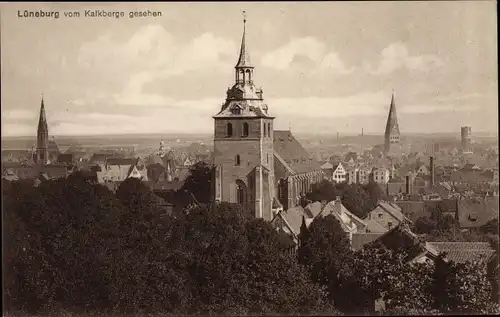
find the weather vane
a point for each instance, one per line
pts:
(244, 16)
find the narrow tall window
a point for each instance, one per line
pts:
(264, 129)
(245, 129)
(229, 129)
(269, 129)
(237, 160)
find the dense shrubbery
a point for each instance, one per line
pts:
(359, 199)
(355, 280)
(72, 245)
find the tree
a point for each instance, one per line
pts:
(425, 225)
(381, 273)
(304, 251)
(325, 253)
(199, 182)
(233, 262)
(461, 288)
(55, 230)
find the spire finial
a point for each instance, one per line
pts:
(244, 17)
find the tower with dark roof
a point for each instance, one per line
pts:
(243, 143)
(42, 140)
(391, 138)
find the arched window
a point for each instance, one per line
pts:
(245, 129)
(248, 76)
(229, 129)
(237, 160)
(241, 192)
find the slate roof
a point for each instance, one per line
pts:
(461, 252)
(292, 152)
(65, 158)
(393, 209)
(374, 227)
(313, 209)
(394, 188)
(100, 158)
(477, 212)
(344, 216)
(359, 240)
(293, 217)
(401, 238)
(121, 161)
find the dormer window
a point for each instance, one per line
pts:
(236, 109)
(245, 129)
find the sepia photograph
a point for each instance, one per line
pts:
(285, 158)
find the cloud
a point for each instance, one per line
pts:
(397, 56)
(307, 114)
(151, 54)
(426, 108)
(309, 47)
(18, 115)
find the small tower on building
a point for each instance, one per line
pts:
(42, 141)
(392, 147)
(243, 143)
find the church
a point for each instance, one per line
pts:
(392, 146)
(260, 168)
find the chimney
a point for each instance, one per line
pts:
(431, 162)
(338, 204)
(408, 184)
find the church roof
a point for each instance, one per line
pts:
(292, 152)
(392, 126)
(42, 121)
(244, 59)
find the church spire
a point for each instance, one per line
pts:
(42, 122)
(392, 126)
(244, 59)
(42, 144)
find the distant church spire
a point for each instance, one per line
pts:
(42, 121)
(42, 144)
(392, 127)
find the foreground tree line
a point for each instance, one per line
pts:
(71, 245)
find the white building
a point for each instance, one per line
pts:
(358, 175)
(380, 175)
(339, 173)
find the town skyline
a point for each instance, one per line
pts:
(148, 76)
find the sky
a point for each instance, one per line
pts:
(324, 67)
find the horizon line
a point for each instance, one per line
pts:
(342, 134)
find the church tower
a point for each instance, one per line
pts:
(42, 141)
(243, 143)
(391, 144)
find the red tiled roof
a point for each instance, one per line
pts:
(461, 252)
